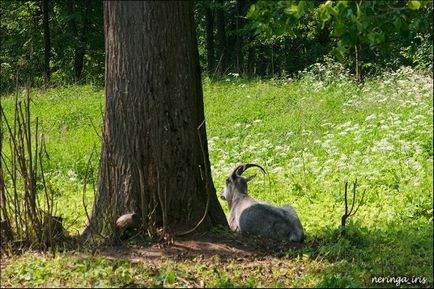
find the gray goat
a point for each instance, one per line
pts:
(258, 218)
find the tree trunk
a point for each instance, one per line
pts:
(241, 4)
(81, 49)
(209, 20)
(358, 62)
(221, 38)
(47, 44)
(80, 39)
(251, 61)
(154, 158)
(261, 61)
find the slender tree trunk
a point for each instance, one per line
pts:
(80, 39)
(47, 44)
(221, 38)
(209, 20)
(251, 52)
(81, 49)
(251, 61)
(358, 61)
(261, 62)
(241, 4)
(154, 158)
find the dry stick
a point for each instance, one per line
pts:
(344, 217)
(142, 193)
(23, 167)
(91, 225)
(351, 213)
(46, 194)
(142, 187)
(162, 204)
(83, 197)
(30, 169)
(44, 184)
(206, 186)
(361, 202)
(216, 68)
(13, 172)
(13, 146)
(354, 197)
(34, 176)
(3, 191)
(32, 172)
(6, 206)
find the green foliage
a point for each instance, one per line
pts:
(73, 25)
(310, 133)
(39, 270)
(276, 37)
(382, 30)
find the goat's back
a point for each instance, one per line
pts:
(268, 221)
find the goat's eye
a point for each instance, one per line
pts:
(228, 181)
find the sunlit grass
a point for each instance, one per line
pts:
(310, 134)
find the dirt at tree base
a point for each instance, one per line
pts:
(200, 245)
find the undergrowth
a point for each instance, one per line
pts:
(310, 133)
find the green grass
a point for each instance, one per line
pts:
(310, 134)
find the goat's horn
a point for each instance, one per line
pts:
(239, 170)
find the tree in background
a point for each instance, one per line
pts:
(221, 39)
(80, 36)
(209, 28)
(154, 159)
(257, 38)
(47, 43)
(52, 43)
(363, 32)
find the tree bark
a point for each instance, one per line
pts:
(209, 21)
(154, 158)
(221, 38)
(47, 44)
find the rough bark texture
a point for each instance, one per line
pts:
(152, 160)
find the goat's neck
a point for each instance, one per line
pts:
(237, 198)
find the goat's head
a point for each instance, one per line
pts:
(235, 183)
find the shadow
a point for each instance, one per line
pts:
(353, 259)
(363, 257)
(219, 242)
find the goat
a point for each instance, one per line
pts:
(258, 218)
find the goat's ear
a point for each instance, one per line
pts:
(250, 178)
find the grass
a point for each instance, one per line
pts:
(310, 134)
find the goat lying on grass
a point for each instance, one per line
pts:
(258, 218)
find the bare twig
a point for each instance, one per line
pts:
(205, 179)
(351, 212)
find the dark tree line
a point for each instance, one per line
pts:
(233, 45)
(61, 42)
(45, 41)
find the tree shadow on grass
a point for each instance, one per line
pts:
(349, 260)
(374, 257)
